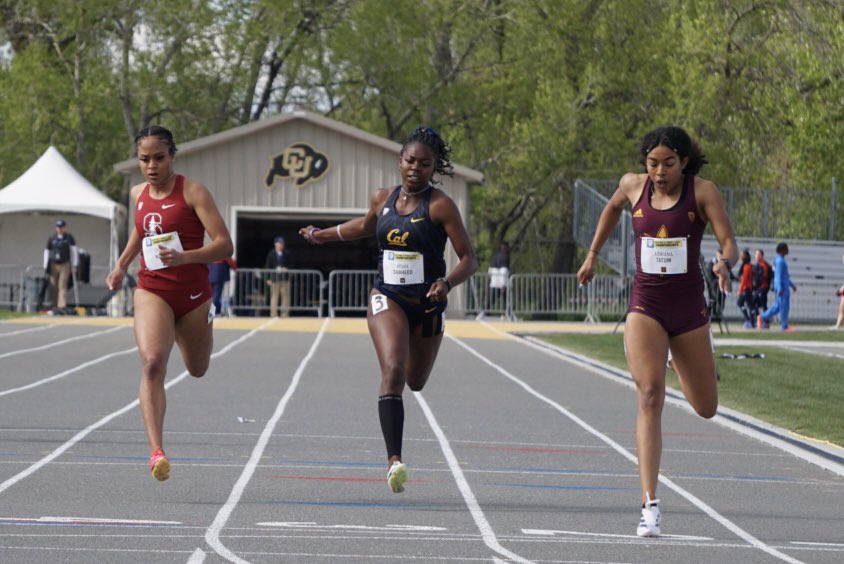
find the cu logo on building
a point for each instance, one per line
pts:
(298, 161)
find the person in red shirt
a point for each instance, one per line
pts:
(173, 299)
(746, 302)
(762, 277)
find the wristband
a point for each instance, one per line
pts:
(311, 232)
(340, 235)
(727, 262)
(445, 281)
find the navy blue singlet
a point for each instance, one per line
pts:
(414, 232)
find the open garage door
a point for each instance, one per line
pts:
(255, 232)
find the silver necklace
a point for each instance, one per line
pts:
(408, 194)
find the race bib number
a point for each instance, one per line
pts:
(402, 268)
(378, 302)
(151, 247)
(664, 255)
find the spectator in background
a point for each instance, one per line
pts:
(745, 301)
(715, 298)
(499, 281)
(218, 274)
(60, 256)
(782, 290)
(763, 275)
(280, 261)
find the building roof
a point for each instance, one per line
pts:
(229, 135)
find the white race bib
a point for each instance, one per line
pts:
(664, 255)
(403, 268)
(151, 244)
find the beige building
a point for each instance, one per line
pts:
(273, 176)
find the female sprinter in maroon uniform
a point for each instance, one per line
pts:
(411, 223)
(173, 298)
(671, 207)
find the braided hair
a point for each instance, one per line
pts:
(431, 139)
(676, 139)
(163, 134)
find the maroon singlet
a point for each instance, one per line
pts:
(675, 300)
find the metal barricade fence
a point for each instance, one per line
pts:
(248, 292)
(618, 251)
(348, 290)
(11, 288)
(481, 300)
(560, 297)
(34, 293)
(813, 302)
(754, 212)
(529, 296)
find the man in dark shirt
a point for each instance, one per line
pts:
(279, 260)
(60, 256)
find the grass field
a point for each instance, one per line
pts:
(8, 314)
(797, 391)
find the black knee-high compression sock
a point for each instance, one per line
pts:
(391, 414)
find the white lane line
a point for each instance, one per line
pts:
(198, 557)
(272, 556)
(312, 525)
(346, 438)
(503, 472)
(212, 534)
(551, 533)
(807, 350)
(90, 521)
(725, 417)
(62, 342)
(66, 372)
(463, 485)
(94, 426)
(729, 525)
(806, 543)
(30, 330)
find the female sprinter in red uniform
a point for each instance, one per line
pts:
(173, 299)
(671, 207)
(406, 315)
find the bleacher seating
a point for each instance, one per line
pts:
(807, 260)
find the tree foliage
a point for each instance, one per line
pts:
(534, 93)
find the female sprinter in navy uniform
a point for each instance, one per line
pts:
(671, 207)
(173, 298)
(407, 305)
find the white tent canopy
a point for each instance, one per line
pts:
(52, 186)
